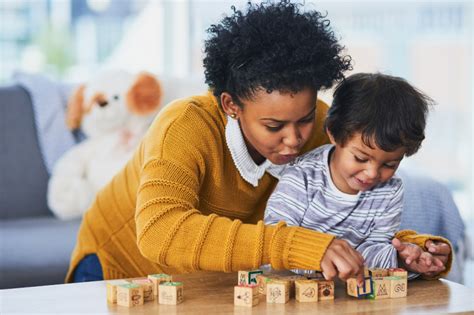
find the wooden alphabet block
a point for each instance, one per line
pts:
(351, 287)
(112, 289)
(129, 294)
(246, 295)
(354, 290)
(278, 291)
(378, 273)
(262, 281)
(366, 288)
(171, 293)
(157, 279)
(306, 290)
(291, 279)
(147, 285)
(382, 288)
(248, 277)
(397, 272)
(325, 290)
(398, 286)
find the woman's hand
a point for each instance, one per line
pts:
(413, 258)
(342, 261)
(439, 250)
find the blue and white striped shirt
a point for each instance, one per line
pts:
(306, 196)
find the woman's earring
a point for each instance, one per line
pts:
(233, 116)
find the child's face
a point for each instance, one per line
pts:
(356, 167)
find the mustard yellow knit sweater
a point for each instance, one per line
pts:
(180, 205)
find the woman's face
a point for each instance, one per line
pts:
(275, 125)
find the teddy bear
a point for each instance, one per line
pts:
(113, 110)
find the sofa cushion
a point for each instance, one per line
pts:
(23, 176)
(35, 251)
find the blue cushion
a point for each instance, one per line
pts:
(23, 176)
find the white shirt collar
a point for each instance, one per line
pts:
(248, 169)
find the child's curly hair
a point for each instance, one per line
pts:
(272, 46)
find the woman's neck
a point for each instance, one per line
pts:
(254, 154)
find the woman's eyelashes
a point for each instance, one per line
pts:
(279, 127)
(274, 128)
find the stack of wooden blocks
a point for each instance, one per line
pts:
(279, 288)
(380, 284)
(134, 292)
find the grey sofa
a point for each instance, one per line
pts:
(35, 247)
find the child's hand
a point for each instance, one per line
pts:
(413, 258)
(342, 261)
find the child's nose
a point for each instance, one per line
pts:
(372, 172)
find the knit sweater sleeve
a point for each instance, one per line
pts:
(172, 231)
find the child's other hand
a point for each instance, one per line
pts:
(413, 258)
(342, 261)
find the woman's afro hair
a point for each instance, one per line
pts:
(272, 46)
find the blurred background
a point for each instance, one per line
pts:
(427, 42)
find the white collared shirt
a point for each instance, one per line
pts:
(248, 169)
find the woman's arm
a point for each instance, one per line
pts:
(172, 232)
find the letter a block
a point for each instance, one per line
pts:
(246, 295)
(306, 290)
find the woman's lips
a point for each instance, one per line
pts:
(286, 158)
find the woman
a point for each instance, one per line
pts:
(193, 196)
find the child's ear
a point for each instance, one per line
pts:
(145, 95)
(331, 138)
(75, 108)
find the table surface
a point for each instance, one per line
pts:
(213, 293)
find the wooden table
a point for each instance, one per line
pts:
(212, 293)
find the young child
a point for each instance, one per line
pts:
(348, 188)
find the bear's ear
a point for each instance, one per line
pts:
(75, 108)
(145, 94)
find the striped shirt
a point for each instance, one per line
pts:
(306, 196)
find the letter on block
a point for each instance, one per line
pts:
(147, 285)
(157, 279)
(325, 290)
(129, 294)
(278, 291)
(112, 289)
(248, 277)
(365, 290)
(306, 290)
(382, 288)
(170, 293)
(246, 295)
(398, 286)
